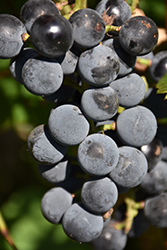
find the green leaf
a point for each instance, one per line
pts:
(162, 85)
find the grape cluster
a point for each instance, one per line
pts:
(84, 65)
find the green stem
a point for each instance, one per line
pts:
(79, 4)
(162, 120)
(131, 212)
(112, 28)
(25, 37)
(144, 61)
(133, 5)
(5, 233)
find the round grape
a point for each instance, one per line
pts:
(68, 125)
(98, 154)
(51, 35)
(139, 35)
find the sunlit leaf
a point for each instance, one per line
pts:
(162, 85)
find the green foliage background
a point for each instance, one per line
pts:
(21, 187)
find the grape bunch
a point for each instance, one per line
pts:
(103, 137)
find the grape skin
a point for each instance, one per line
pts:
(43, 148)
(69, 63)
(114, 12)
(81, 225)
(55, 203)
(140, 225)
(153, 152)
(99, 195)
(98, 154)
(136, 126)
(155, 210)
(155, 181)
(110, 238)
(98, 66)
(138, 35)
(52, 35)
(99, 104)
(130, 90)
(55, 173)
(88, 27)
(11, 31)
(127, 61)
(67, 125)
(162, 55)
(131, 168)
(32, 9)
(17, 62)
(42, 76)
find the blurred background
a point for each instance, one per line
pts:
(21, 187)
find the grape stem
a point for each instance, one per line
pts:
(61, 5)
(108, 214)
(112, 28)
(79, 4)
(144, 61)
(133, 5)
(25, 37)
(111, 126)
(132, 208)
(5, 233)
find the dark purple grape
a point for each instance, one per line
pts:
(88, 26)
(99, 66)
(155, 181)
(99, 195)
(98, 154)
(162, 135)
(55, 203)
(138, 35)
(11, 32)
(67, 125)
(43, 148)
(139, 226)
(42, 76)
(153, 152)
(161, 68)
(131, 168)
(127, 60)
(99, 104)
(136, 126)
(52, 35)
(155, 210)
(32, 9)
(110, 238)
(158, 67)
(17, 63)
(130, 90)
(81, 225)
(114, 12)
(57, 172)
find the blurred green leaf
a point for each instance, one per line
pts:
(162, 85)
